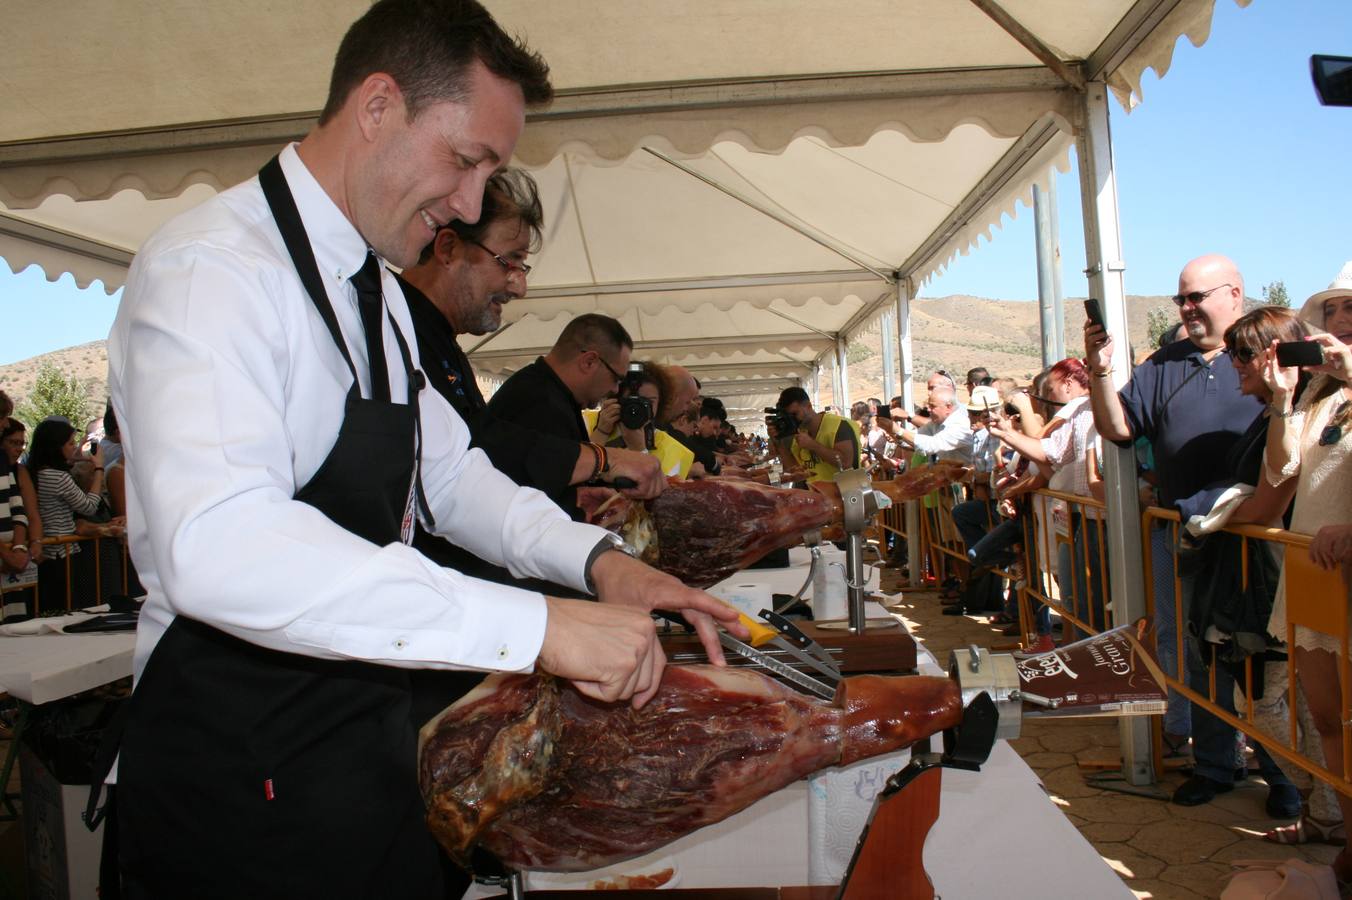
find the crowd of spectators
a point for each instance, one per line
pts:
(1224, 434)
(62, 515)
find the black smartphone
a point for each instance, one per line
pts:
(93, 445)
(884, 412)
(1299, 353)
(1093, 311)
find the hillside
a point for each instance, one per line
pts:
(953, 333)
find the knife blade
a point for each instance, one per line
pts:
(783, 670)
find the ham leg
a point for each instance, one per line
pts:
(544, 778)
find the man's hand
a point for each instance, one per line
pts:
(1332, 546)
(643, 469)
(608, 416)
(625, 581)
(609, 652)
(1098, 347)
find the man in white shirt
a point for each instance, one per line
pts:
(280, 444)
(948, 435)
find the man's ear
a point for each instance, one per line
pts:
(377, 99)
(447, 246)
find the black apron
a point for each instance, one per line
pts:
(252, 773)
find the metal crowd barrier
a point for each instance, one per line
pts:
(1315, 599)
(1070, 534)
(114, 582)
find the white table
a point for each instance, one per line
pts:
(46, 667)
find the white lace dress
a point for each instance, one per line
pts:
(1323, 489)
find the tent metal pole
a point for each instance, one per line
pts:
(816, 385)
(1103, 254)
(1049, 274)
(904, 358)
(841, 383)
(889, 358)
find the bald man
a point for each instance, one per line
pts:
(1185, 400)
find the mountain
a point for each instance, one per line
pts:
(953, 333)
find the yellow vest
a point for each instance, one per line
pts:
(675, 458)
(590, 418)
(819, 470)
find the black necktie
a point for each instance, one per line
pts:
(367, 283)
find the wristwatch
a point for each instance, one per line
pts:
(611, 541)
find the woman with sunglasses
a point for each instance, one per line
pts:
(1309, 457)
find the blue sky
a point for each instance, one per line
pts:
(1231, 153)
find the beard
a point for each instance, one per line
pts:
(490, 318)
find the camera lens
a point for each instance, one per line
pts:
(635, 411)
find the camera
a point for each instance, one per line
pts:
(636, 411)
(1011, 410)
(783, 423)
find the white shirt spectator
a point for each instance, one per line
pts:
(229, 392)
(950, 439)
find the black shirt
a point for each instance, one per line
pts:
(531, 431)
(443, 362)
(1191, 411)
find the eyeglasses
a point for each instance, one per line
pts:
(507, 264)
(609, 368)
(1047, 400)
(1196, 297)
(1244, 355)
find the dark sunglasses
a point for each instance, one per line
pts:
(1244, 355)
(1196, 297)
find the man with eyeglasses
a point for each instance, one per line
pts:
(1185, 400)
(545, 400)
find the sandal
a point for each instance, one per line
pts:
(1308, 830)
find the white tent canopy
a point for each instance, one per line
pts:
(742, 184)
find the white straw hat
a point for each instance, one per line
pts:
(984, 399)
(1313, 310)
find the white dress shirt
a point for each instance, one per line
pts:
(229, 392)
(951, 439)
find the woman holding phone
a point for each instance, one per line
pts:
(1309, 455)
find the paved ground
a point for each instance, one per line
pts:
(1160, 850)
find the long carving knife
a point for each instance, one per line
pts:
(783, 670)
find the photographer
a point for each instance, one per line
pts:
(821, 443)
(636, 404)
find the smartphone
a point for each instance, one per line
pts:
(884, 412)
(1093, 311)
(93, 445)
(1299, 353)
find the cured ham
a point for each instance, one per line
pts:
(543, 778)
(703, 531)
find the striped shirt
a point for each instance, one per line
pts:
(60, 500)
(11, 505)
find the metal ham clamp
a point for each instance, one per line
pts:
(861, 504)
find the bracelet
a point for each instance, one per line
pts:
(1103, 374)
(1281, 414)
(596, 465)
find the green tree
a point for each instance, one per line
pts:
(1274, 294)
(54, 394)
(1158, 321)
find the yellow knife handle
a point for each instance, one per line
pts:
(760, 632)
